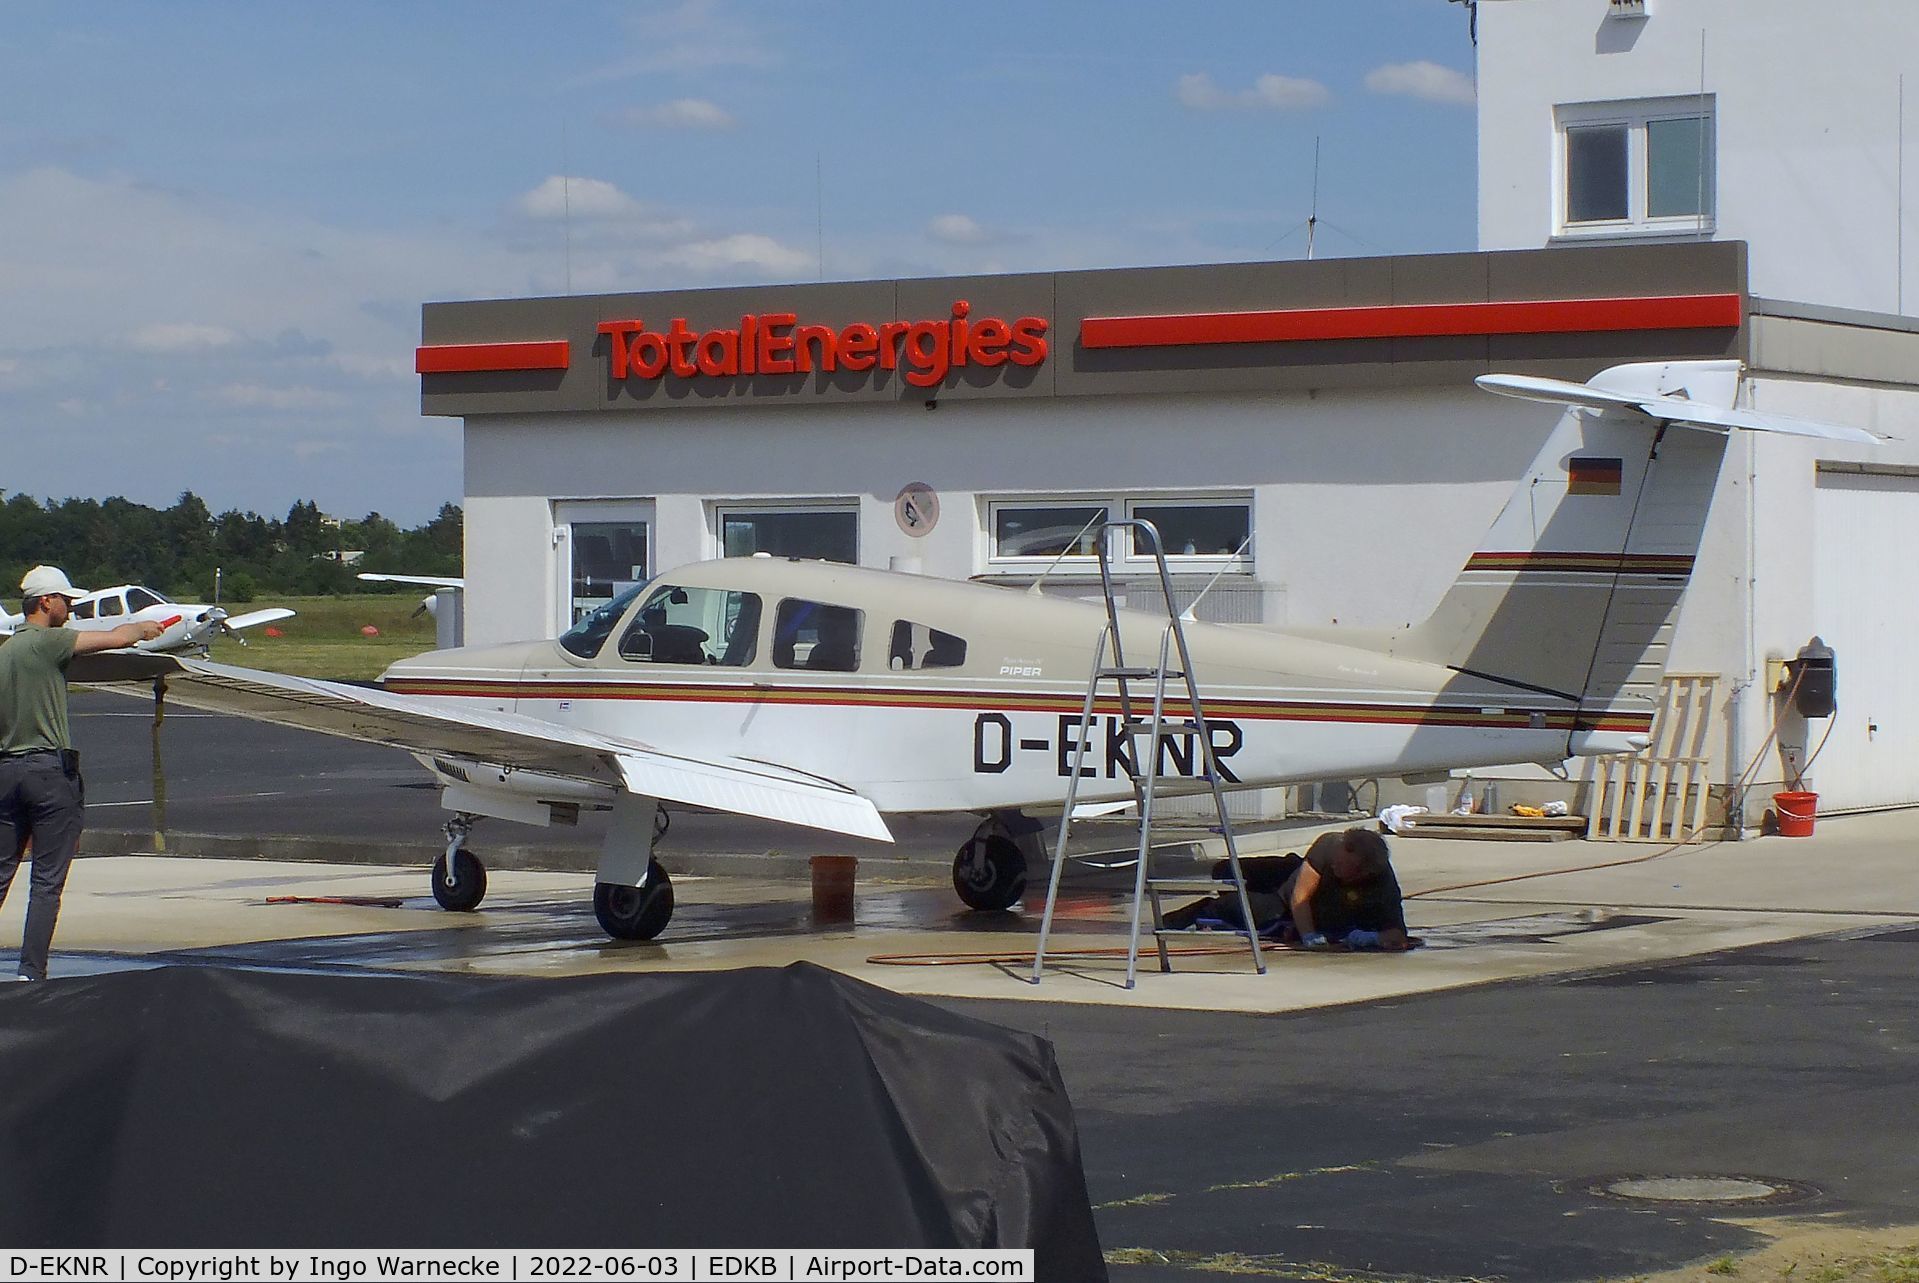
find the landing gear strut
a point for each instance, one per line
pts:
(459, 879)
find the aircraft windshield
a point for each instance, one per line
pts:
(586, 637)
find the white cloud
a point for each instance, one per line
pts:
(1270, 92)
(956, 229)
(692, 36)
(681, 113)
(562, 197)
(182, 336)
(741, 250)
(1424, 80)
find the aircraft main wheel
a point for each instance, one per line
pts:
(635, 913)
(468, 887)
(990, 873)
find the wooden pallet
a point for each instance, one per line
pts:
(1660, 793)
(1495, 828)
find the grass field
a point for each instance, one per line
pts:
(323, 639)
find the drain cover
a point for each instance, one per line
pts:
(1697, 1190)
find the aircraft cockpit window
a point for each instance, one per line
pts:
(915, 646)
(140, 599)
(112, 606)
(83, 610)
(694, 626)
(818, 637)
(586, 637)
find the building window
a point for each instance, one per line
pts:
(1636, 168)
(1209, 532)
(609, 557)
(1596, 174)
(815, 534)
(1045, 530)
(1196, 528)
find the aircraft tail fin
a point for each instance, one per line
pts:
(1575, 589)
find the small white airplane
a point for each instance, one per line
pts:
(830, 696)
(189, 626)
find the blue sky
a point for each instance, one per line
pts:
(218, 221)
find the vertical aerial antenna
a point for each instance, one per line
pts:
(1899, 206)
(1312, 219)
(566, 205)
(1699, 218)
(819, 210)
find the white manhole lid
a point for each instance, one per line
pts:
(1693, 1189)
(1701, 1188)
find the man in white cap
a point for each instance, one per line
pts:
(41, 794)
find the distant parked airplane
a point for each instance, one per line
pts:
(189, 627)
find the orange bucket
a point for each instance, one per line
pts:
(1795, 812)
(833, 887)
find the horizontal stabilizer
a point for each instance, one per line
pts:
(1674, 409)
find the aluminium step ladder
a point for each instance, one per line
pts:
(1145, 738)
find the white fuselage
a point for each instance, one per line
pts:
(998, 729)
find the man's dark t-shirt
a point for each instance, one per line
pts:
(1339, 907)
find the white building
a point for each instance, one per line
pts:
(1311, 430)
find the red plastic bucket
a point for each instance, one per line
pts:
(1795, 812)
(833, 887)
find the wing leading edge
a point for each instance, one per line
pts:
(509, 739)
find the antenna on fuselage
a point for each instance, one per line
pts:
(1071, 544)
(1186, 616)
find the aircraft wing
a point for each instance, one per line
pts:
(425, 581)
(506, 739)
(1588, 396)
(254, 618)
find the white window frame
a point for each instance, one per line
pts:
(718, 510)
(1634, 115)
(1119, 506)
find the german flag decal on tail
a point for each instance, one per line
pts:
(1589, 475)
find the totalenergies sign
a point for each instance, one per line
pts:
(776, 343)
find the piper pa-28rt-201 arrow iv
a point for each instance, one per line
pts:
(188, 627)
(830, 696)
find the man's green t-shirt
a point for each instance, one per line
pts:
(33, 688)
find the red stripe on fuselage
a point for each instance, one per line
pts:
(1010, 702)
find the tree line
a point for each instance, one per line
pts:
(102, 542)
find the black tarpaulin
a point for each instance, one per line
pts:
(197, 1107)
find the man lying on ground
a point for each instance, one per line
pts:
(1341, 892)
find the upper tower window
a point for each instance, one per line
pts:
(1639, 167)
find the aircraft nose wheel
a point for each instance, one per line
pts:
(989, 873)
(463, 891)
(635, 913)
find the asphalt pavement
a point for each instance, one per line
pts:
(1461, 1135)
